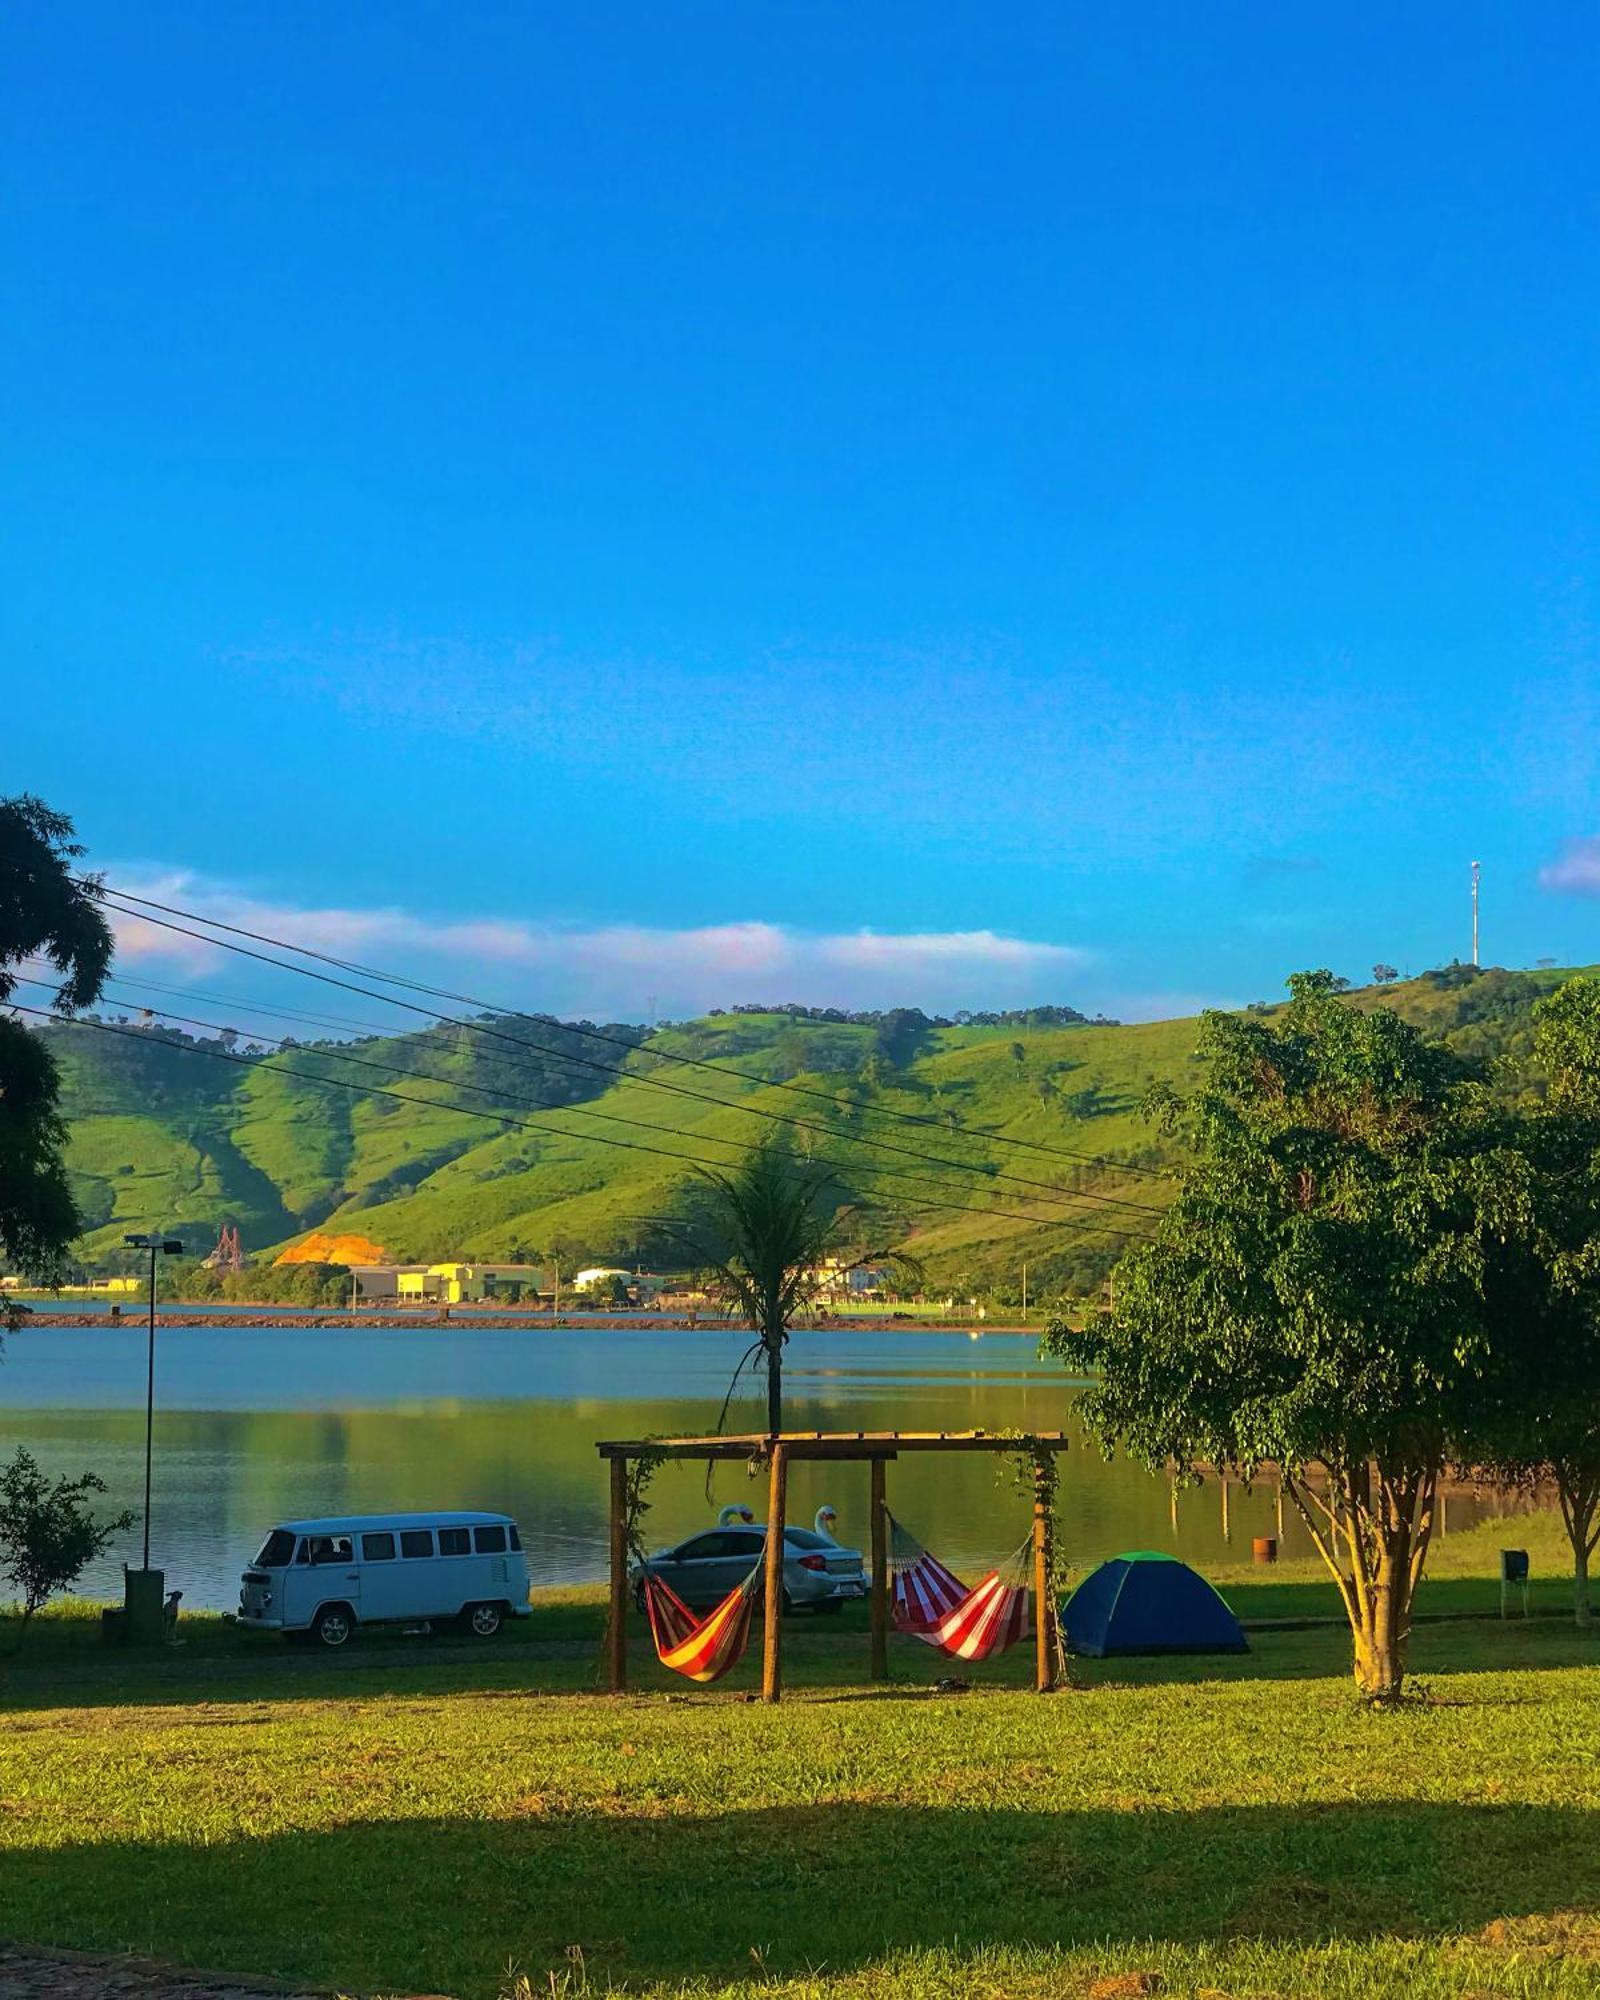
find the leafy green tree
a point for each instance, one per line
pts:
(48, 1535)
(1314, 1299)
(199, 1282)
(1384, 975)
(1539, 1425)
(47, 913)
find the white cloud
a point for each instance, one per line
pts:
(611, 969)
(1576, 871)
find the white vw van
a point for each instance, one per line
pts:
(321, 1579)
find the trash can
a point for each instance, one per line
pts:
(1514, 1574)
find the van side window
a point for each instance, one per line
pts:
(490, 1541)
(377, 1548)
(454, 1542)
(516, 1539)
(416, 1542)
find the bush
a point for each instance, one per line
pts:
(48, 1536)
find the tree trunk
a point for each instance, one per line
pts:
(1380, 1644)
(1578, 1490)
(1373, 1535)
(772, 1339)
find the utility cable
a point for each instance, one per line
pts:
(857, 1170)
(601, 1035)
(632, 1076)
(522, 1124)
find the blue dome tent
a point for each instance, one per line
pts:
(1147, 1602)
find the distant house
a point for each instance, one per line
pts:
(835, 1279)
(379, 1284)
(452, 1284)
(642, 1287)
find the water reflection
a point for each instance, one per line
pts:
(255, 1426)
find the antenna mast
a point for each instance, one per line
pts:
(1474, 912)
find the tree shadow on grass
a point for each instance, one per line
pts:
(819, 1664)
(648, 1892)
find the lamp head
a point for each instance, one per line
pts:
(168, 1245)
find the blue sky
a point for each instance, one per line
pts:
(702, 503)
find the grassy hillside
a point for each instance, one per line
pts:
(163, 1134)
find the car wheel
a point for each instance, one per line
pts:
(483, 1620)
(333, 1625)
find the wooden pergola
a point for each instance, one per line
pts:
(876, 1449)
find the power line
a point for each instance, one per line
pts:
(856, 1169)
(522, 1124)
(600, 1035)
(633, 1076)
(231, 1001)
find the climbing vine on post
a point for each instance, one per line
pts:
(629, 1507)
(636, 1504)
(1032, 1471)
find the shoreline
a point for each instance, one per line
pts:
(275, 1318)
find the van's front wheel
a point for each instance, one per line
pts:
(483, 1620)
(333, 1625)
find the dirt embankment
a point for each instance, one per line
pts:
(265, 1316)
(457, 1317)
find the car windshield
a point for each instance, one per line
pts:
(276, 1550)
(803, 1538)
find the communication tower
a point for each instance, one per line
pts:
(229, 1253)
(1474, 912)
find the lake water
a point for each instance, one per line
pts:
(258, 1425)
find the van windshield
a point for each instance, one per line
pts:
(276, 1550)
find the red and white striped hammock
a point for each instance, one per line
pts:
(702, 1648)
(931, 1603)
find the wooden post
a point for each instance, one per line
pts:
(1279, 1499)
(1043, 1609)
(617, 1632)
(772, 1649)
(1227, 1532)
(877, 1503)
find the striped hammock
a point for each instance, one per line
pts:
(934, 1605)
(702, 1648)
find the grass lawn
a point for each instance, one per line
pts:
(421, 1816)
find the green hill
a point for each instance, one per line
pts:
(165, 1134)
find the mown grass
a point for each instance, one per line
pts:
(418, 1816)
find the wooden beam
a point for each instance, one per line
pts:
(824, 1444)
(878, 1508)
(617, 1630)
(772, 1638)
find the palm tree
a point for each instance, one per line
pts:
(773, 1222)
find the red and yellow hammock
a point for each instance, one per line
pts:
(702, 1648)
(931, 1603)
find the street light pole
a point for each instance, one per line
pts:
(157, 1246)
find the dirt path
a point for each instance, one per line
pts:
(36, 1973)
